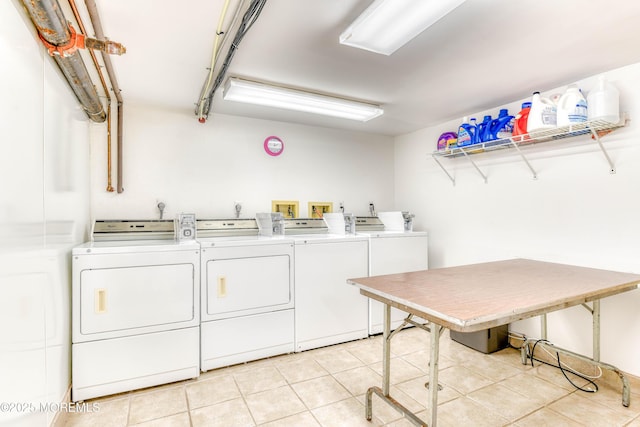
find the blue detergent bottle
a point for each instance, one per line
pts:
(483, 132)
(467, 132)
(502, 127)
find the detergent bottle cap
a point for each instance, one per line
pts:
(526, 105)
(503, 112)
(486, 118)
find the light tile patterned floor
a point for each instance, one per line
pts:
(326, 387)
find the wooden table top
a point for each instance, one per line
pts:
(479, 296)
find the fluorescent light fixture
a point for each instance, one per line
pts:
(387, 25)
(274, 96)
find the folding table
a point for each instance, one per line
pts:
(480, 296)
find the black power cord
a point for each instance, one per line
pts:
(564, 372)
(562, 369)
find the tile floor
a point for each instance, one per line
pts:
(326, 387)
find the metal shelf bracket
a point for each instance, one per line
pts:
(474, 165)
(453, 180)
(533, 172)
(612, 168)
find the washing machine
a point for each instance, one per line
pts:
(247, 293)
(328, 310)
(393, 248)
(135, 308)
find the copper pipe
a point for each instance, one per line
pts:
(99, 33)
(72, 3)
(120, 121)
(109, 186)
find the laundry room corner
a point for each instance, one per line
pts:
(574, 211)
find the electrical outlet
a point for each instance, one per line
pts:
(318, 209)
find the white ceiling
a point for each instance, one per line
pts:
(484, 54)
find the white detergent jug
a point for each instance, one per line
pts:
(543, 114)
(604, 102)
(572, 107)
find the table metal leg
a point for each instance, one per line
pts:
(433, 374)
(595, 312)
(383, 392)
(386, 350)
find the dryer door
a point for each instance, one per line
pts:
(134, 297)
(127, 294)
(253, 280)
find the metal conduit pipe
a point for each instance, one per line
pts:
(249, 18)
(99, 33)
(54, 29)
(76, 14)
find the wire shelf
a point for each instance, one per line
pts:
(596, 128)
(544, 135)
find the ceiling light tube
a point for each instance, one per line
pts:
(279, 97)
(387, 25)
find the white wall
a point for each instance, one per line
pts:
(44, 210)
(576, 212)
(204, 168)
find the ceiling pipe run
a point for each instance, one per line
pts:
(99, 33)
(62, 44)
(96, 64)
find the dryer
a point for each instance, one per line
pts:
(328, 310)
(247, 309)
(135, 308)
(393, 248)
